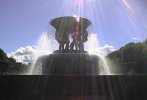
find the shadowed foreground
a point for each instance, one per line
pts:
(73, 88)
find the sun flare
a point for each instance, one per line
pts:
(79, 2)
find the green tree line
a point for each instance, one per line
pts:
(9, 66)
(130, 58)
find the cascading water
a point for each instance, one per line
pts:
(47, 45)
(92, 47)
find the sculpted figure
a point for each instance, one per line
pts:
(63, 40)
(69, 25)
(79, 38)
(82, 39)
(75, 37)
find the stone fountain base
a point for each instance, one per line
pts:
(73, 63)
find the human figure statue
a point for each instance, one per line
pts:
(69, 25)
(79, 38)
(75, 37)
(63, 40)
(82, 39)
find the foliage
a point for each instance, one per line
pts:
(9, 66)
(132, 55)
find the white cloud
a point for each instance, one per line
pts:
(102, 51)
(135, 38)
(24, 54)
(92, 46)
(27, 54)
(106, 49)
(26, 50)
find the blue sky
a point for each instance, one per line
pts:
(116, 22)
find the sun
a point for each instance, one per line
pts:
(79, 2)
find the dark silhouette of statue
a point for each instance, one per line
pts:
(75, 37)
(69, 25)
(82, 39)
(80, 36)
(63, 40)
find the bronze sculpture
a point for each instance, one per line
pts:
(69, 25)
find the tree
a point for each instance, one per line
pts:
(133, 56)
(9, 65)
(145, 42)
(4, 62)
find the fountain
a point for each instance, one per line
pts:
(71, 59)
(71, 73)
